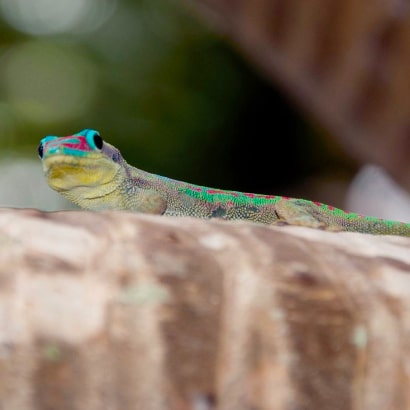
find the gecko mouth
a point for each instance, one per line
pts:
(65, 173)
(54, 160)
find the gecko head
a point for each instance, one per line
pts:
(81, 166)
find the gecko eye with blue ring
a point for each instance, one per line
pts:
(98, 141)
(93, 138)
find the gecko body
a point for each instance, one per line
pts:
(93, 174)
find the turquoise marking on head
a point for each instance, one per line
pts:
(84, 132)
(58, 146)
(77, 145)
(47, 139)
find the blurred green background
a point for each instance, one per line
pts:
(175, 98)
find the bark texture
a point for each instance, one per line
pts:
(345, 62)
(122, 311)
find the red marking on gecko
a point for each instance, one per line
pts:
(195, 188)
(221, 191)
(253, 196)
(329, 207)
(79, 143)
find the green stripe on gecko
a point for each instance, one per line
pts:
(229, 197)
(93, 174)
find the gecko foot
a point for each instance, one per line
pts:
(298, 212)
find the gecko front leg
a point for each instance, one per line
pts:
(300, 212)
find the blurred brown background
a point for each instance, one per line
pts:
(347, 63)
(274, 96)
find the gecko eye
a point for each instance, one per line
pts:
(40, 150)
(93, 138)
(98, 141)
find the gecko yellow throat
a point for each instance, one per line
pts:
(83, 180)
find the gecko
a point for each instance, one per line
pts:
(93, 174)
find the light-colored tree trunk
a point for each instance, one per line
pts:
(121, 311)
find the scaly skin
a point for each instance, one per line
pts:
(93, 174)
